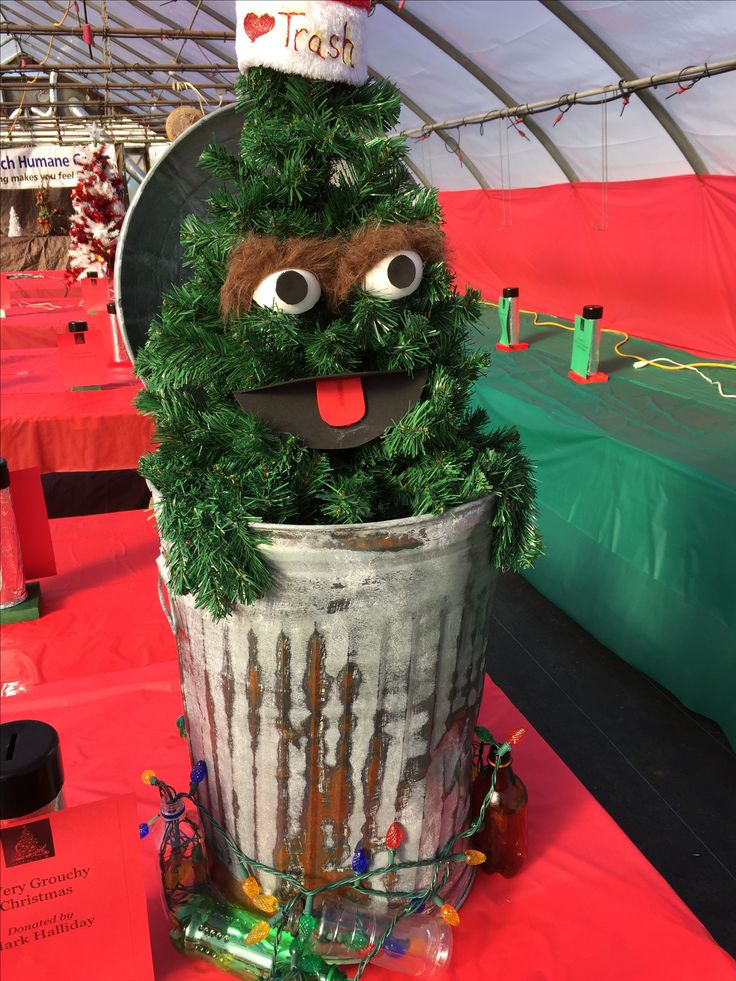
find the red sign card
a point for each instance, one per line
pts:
(32, 519)
(72, 899)
(83, 358)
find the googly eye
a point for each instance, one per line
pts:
(399, 274)
(290, 290)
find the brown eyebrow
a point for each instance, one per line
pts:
(259, 255)
(371, 243)
(338, 263)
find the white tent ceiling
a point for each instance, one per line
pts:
(453, 58)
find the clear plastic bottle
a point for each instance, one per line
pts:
(419, 945)
(12, 582)
(176, 834)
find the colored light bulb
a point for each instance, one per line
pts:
(257, 933)
(516, 736)
(450, 915)
(360, 860)
(251, 887)
(396, 947)
(266, 904)
(306, 926)
(199, 772)
(474, 857)
(143, 830)
(394, 836)
(148, 776)
(359, 940)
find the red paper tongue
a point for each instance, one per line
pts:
(340, 400)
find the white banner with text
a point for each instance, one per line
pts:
(25, 166)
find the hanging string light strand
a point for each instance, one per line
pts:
(622, 90)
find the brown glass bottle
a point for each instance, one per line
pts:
(503, 835)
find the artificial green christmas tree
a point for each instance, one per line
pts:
(320, 263)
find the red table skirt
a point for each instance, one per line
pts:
(45, 426)
(587, 906)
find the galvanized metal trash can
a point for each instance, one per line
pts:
(344, 699)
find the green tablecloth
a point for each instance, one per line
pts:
(637, 504)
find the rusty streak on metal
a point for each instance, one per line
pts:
(315, 807)
(376, 542)
(254, 698)
(229, 685)
(218, 806)
(283, 859)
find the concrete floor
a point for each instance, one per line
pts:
(666, 775)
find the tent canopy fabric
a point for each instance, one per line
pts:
(457, 58)
(629, 205)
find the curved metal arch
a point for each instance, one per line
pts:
(448, 140)
(156, 15)
(614, 61)
(116, 70)
(34, 49)
(177, 76)
(485, 80)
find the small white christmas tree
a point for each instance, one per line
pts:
(98, 215)
(14, 229)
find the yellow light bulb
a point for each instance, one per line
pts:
(474, 857)
(259, 932)
(251, 888)
(450, 915)
(148, 776)
(266, 904)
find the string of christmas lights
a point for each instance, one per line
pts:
(186, 884)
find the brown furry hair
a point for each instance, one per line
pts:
(260, 255)
(339, 264)
(371, 243)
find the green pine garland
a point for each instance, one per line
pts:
(314, 161)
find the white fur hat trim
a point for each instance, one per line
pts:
(315, 38)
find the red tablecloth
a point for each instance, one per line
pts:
(35, 324)
(587, 907)
(101, 611)
(34, 309)
(43, 425)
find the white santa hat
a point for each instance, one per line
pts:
(315, 38)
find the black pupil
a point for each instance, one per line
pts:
(401, 271)
(291, 287)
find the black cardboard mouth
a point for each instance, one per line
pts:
(291, 407)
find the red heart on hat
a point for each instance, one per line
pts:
(256, 26)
